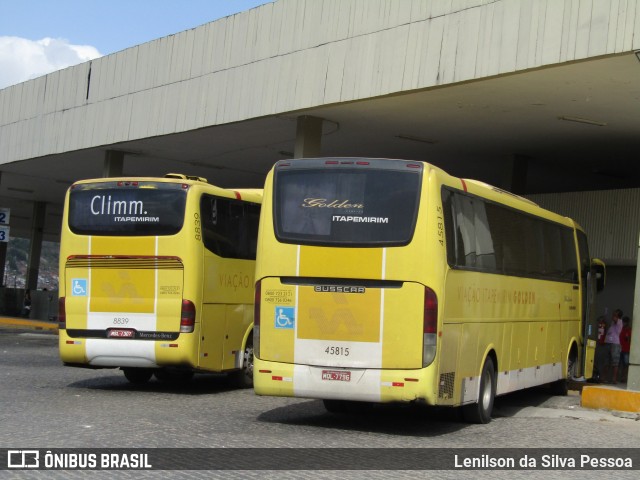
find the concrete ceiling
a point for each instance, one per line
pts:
(469, 129)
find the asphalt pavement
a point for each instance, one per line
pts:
(584, 399)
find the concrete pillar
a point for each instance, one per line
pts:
(113, 163)
(515, 174)
(3, 260)
(633, 378)
(3, 253)
(35, 246)
(308, 137)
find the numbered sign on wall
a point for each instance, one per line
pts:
(4, 216)
(4, 224)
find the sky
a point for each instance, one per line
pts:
(40, 36)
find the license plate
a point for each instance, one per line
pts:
(336, 375)
(120, 333)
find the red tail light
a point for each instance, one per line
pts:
(430, 326)
(430, 311)
(62, 313)
(187, 317)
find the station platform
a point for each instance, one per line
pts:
(592, 396)
(28, 324)
(610, 397)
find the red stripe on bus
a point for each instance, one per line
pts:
(464, 185)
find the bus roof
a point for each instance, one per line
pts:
(253, 195)
(476, 187)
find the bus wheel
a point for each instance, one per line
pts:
(137, 376)
(561, 387)
(346, 406)
(244, 377)
(481, 412)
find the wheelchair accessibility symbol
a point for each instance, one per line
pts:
(285, 317)
(79, 287)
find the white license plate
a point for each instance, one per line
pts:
(336, 375)
(120, 333)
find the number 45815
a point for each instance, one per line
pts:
(337, 351)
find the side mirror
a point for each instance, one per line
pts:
(600, 273)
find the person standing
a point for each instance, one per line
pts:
(612, 344)
(26, 304)
(600, 360)
(625, 347)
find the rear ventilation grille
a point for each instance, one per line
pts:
(91, 261)
(445, 390)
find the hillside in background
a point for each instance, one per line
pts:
(15, 272)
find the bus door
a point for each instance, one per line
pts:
(588, 294)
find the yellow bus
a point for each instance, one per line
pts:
(156, 277)
(391, 281)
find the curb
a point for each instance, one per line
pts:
(610, 398)
(29, 324)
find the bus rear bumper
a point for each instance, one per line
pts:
(332, 383)
(110, 353)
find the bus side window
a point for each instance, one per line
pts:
(569, 261)
(215, 226)
(552, 250)
(465, 230)
(482, 235)
(470, 238)
(229, 227)
(485, 253)
(252, 221)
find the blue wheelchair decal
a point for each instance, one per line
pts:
(285, 317)
(79, 287)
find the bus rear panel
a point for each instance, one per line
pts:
(329, 318)
(117, 284)
(157, 277)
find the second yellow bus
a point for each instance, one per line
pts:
(156, 277)
(391, 281)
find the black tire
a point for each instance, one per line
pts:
(561, 387)
(346, 406)
(243, 378)
(481, 412)
(137, 376)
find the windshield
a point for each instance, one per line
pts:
(375, 204)
(139, 208)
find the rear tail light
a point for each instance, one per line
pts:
(430, 326)
(430, 311)
(187, 317)
(256, 320)
(62, 313)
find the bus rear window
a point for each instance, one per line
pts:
(149, 208)
(349, 207)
